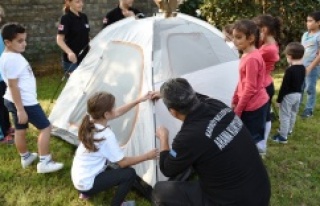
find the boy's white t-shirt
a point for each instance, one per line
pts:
(87, 165)
(15, 66)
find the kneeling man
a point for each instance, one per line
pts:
(216, 144)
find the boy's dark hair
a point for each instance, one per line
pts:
(9, 31)
(249, 28)
(178, 94)
(315, 15)
(295, 50)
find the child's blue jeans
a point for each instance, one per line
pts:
(310, 88)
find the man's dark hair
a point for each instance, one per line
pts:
(295, 50)
(10, 31)
(178, 94)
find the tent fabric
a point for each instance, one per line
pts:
(130, 58)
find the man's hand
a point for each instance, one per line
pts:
(162, 133)
(22, 116)
(155, 95)
(278, 104)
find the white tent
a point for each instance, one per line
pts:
(132, 57)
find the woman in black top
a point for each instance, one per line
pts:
(73, 35)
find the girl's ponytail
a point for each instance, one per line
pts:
(66, 7)
(277, 29)
(86, 134)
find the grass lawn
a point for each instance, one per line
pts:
(293, 168)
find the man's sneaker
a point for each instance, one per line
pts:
(28, 161)
(280, 139)
(306, 114)
(83, 196)
(50, 166)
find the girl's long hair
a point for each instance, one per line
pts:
(97, 106)
(273, 25)
(249, 28)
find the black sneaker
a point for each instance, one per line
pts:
(280, 139)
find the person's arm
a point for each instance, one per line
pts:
(163, 136)
(108, 19)
(129, 161)
(16, 96)
(175, 161)
(61, 43)
(316, 61)
(284, 86)
(127, 107)
(250, 89)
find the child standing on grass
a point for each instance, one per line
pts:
(98, 145)
(5, 126)
(250, 100)
(290, 91)
(73, 35)
(21, 99)
(270, 29)
(228, 38)
(311, 59)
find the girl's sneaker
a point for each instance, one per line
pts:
(83, 196)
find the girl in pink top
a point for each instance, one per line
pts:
(270, 28)
(250, 99)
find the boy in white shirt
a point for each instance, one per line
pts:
(21, 99)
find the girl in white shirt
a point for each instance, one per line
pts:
(98, 145)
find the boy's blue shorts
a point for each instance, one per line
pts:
(36, 116)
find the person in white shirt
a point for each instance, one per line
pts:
(98, 146)
(21, 99)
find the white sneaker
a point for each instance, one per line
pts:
(26, 162)
(50, 166)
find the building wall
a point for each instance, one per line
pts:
(41, 18)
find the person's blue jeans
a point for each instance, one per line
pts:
(69, 67)
(310, 88)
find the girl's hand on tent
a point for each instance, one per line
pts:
(162, 133)
(145, 97)
(72, 57)
(152, 154)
